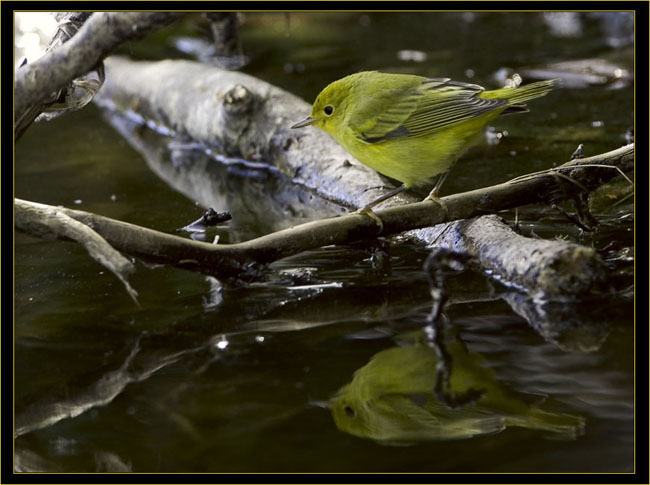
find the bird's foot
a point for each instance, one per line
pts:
(433, 197)
(367, 211)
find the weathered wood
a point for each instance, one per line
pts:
(237, 115)
(534, 265)
(52, 222)
(563, 269)
(100, 35)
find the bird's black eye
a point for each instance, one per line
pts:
(349, 411)
(328, 110)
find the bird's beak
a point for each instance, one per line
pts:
(306, 122)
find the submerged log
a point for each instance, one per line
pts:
(529, 264)
(553, 273)
(238, 115)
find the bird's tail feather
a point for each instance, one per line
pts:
(522, 94)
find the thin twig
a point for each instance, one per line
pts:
(549, 171)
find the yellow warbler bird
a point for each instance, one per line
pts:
(408, 127)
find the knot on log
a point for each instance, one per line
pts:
(238, 100)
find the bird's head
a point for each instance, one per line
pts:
(328, 110)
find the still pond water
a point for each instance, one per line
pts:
(213, 377)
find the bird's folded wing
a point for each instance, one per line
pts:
(434, 105)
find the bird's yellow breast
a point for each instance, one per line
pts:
(412, 128)
(414, 161)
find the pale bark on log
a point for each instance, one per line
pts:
(548, 276)
(539, 265)
(238, 115)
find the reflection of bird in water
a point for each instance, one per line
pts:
(391, 400)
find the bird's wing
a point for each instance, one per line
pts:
(434, 105)
(382, 110)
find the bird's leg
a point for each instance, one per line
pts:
(433, 195)
(366, 210)
(386, 196)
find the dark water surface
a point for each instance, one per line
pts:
(214, 377)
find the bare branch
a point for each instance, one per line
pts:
(47, 221)
(239, 259)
